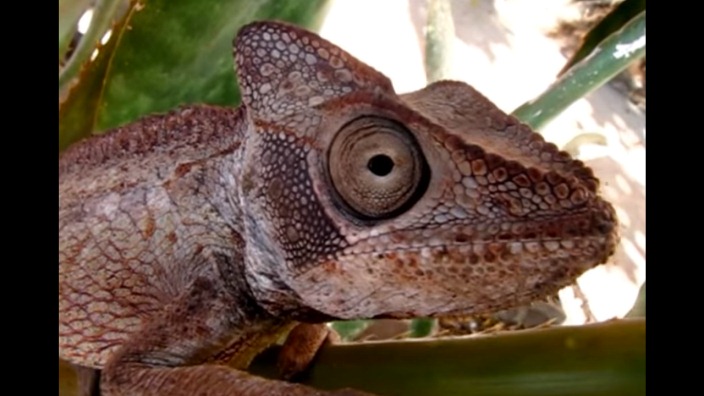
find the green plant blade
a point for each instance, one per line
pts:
(69, 13)
(78, 110)
(611, 23)
(165, 53)
(105, 14)
(612, 56)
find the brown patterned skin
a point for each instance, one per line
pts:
(199, 236)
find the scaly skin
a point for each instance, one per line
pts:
(202, 235)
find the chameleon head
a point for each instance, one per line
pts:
(363, 203)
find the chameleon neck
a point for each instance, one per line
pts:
(143, 212)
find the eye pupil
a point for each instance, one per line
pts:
(380, 165)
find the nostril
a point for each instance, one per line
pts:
(605, 227)
(605, 222)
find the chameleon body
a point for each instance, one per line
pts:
(198, 237)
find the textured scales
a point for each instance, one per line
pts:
(201, 235)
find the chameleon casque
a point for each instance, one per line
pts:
(199, 237)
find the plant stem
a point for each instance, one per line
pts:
(439, 34)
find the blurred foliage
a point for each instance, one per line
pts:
(161, 54)
(350, 329)
(638, 310)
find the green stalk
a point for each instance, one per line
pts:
(608, 59)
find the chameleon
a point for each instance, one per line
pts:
(198, 237)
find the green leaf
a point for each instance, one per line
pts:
(165, 53)
(599, 359)
(592, 360)
(611, 23)
(611, 57)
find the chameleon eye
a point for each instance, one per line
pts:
(377, 167)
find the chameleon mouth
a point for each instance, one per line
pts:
(457, 268)
(565, 233)
(457, 278)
